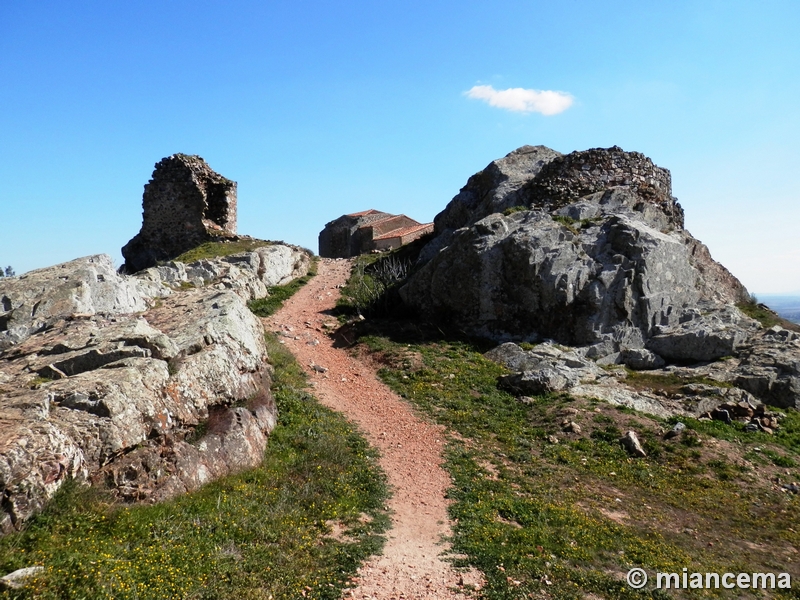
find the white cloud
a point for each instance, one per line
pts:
(545, 102)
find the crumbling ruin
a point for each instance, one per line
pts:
(185, 204)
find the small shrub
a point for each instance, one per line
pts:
(567, 222)
(38, 381)
(373, 284)
(779, 460)
(690, 439)
(724, 470)
(610, 434)
(574, 225)
(197, 433)
(652, 447)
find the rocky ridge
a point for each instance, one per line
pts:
(589, 249)
(150, 384)
(587, 252)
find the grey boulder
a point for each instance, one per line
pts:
(108, 380)
(630, 441)
(589, 250)
(495, 188)
(640, 359)
(540, 381)
(84, 286)
(769, 368)
(703, 336)
(543, 369)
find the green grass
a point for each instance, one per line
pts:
(38, 381)
(515, 209)
(259, 534)
(217, 249)
(787, 438)
(670, 382)
(278, 294)
(574, 225)
(567, 222)
(752, 309)
(580, 513)
(765, 316)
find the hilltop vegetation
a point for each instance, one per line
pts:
(548, 504)
(297, 526)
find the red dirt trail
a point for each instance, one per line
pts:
(411, 449)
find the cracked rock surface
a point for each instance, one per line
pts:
(764, 372)
(106, 377)
(584, 249)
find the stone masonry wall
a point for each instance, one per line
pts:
(574, 175)
(338, 239)
(185, 204)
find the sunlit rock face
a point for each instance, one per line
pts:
(149, 385)
(585, 248)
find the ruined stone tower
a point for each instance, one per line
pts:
(184, 205)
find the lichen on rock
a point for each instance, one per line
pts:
(108, 378)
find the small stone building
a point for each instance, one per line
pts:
(357, 233)
(185, 204)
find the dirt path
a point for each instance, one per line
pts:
(410, 448)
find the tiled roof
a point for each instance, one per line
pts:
(377, 222)
(403, 231)
(364, 213)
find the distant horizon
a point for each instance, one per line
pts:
(118, 261)
(777, 302)
(782, 295)
(319, 109)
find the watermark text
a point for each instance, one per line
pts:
(637, 578)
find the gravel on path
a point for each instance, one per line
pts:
(411, 566)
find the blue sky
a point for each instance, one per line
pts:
(322, 108)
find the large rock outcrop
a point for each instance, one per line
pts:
(106, 377)
(586, 249)
(185, 204)
(85, 286)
